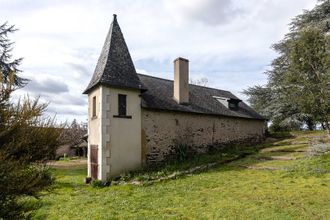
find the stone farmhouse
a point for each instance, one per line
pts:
(137, 120)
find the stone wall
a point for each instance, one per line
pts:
(94, 125)
(118, 139)
(121, 135)
(162, 131)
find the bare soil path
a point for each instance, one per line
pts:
(68, 164)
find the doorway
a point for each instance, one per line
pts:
(94, 161)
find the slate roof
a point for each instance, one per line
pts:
(115, 66)
(159, 96)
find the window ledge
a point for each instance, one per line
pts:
(122, 116)
(94, 117)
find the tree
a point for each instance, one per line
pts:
(74, 133)
(27, 139)
(308, 75)
(282, 106)
(200, 82)
(7, 65)
(270, 103)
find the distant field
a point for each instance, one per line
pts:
(281, 181)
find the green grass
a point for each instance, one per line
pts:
(300, 190)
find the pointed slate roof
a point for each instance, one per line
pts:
(115, 66)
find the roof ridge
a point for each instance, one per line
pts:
(154, 77)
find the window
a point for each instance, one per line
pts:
(121, 105)
(122, 109)
(222, 100)
(94, 107)
(230, 103)
(233, 104)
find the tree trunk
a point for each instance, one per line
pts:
(327, 125)
(323, 126)
(310, 124)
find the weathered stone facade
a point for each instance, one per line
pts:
(162, 131)
(136, 119)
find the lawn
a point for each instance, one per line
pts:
(279, 181)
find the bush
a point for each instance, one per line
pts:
(64, 158)
(183, 152)
(280, 134)
(319, 148)
(100, 183)
(27, 138)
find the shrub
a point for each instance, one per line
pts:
(280, 134)
(65, 158)
(97, 184)
(100, 183)
(27, 138)
(183, 152)
(318, 148)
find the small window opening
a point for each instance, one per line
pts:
(94, 107)
(122, 105)
(230, 103)
(233, 104)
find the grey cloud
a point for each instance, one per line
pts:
(66, 99)
(46, 86)
(78, 40)
(81, 69)
(66, 110)
(152, 65)
(75, 100)
(211, 12)
(24, 4)
(67, 105)
(241, 63)
(88, 58)
(214, 12)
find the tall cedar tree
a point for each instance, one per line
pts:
(27, 140)
(275, 100)
(308, 75)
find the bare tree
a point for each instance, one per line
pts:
(203, 81)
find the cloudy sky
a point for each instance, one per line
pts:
(226, 41)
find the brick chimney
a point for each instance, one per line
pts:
(181, 80)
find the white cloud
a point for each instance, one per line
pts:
(49, 86)
(227, 41)
(211, 12)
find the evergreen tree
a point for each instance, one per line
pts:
(307, 79)
(27, 139)
(282, 105)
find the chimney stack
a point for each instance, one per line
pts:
(181, 80)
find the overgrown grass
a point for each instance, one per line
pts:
(294, 189)
(234, 152)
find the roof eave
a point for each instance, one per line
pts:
(202, 113)
(89, 89)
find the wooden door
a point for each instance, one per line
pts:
(94, 161)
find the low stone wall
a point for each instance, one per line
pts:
(163, 131)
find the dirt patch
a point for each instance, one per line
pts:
(287, 151)
(67, 164)
(270, 140)
(275, 158)
(282, 158)
(260, 168)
